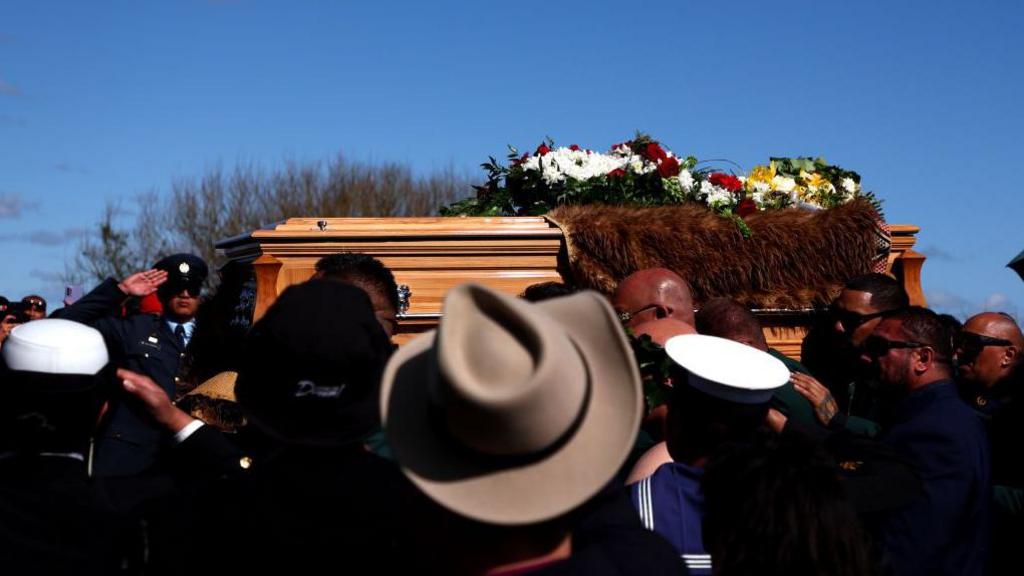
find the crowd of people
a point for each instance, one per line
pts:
(558, 432)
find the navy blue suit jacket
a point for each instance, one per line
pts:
(947, 529)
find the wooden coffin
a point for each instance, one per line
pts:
(431, 255)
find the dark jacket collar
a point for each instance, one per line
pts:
(918, 400)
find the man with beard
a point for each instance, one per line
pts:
(945, 530)
(832, 350)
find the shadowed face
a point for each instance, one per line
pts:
(893, 365)
(986, 351)
(183, 305)
(384, 311)
(853, 316)
(35, 307)
(6, 325)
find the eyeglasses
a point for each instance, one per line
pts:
(969, 344)
(35, 304)
(876, 346)
(627, 316)
(852, 320)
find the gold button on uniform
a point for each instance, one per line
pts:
(245, 462)
(980, 401)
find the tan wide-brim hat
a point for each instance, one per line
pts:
(513, 413)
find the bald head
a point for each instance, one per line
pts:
(989, 349)
(997, 325)
(653, 293)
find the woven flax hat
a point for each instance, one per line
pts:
(513, 413)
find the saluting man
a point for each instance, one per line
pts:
(144, 343)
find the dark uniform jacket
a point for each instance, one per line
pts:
(55, 520)
(142, 343)
(307, 510)
(947, 529)
(1002, 408)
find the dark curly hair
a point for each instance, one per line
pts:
(886, 292)
(353, 267)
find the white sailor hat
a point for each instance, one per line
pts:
(726, 369)
(55, 346)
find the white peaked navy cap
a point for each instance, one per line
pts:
(55, 346)
(728, 370)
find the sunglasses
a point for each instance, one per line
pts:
(876, 346)
(970, 344)
(35, 304)
(627, 316)
(850, 321)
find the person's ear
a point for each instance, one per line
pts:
(1010, 356)
(925, 358)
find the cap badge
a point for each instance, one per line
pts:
(183, 268)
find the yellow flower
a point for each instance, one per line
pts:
(762, 175)
(815, 181)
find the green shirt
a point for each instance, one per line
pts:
(790, 402)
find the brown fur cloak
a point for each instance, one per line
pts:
(794, 259)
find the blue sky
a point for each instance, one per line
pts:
(102, 100)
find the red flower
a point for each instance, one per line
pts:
(574, 148)
(746, 207)
(542, 150)
(617, 173)
(668, 168)
(653, 152)
(727, 181)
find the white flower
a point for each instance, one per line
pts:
(849, 186)
(562, 163)
(783, 184)
(758, 197)
(760, 187)
(685, 180)
(716, 197)
(551, 172)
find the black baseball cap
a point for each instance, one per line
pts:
(311, 367)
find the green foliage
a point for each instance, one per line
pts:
(511, 190)
(654, 365)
